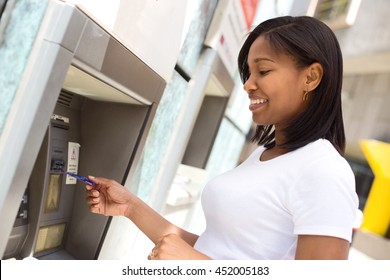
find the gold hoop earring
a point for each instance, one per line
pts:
(305, 95)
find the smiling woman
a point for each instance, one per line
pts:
(305, 48)
(276, 85)
(294, 197)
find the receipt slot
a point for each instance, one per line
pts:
(97, 125)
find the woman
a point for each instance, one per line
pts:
(294, 197)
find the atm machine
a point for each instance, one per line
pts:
(99, 123)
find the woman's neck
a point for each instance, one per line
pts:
(276, 150)
(272, 153)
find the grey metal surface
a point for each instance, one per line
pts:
(67, 37)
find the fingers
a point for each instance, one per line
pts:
(152, 255)
(93, 199)
(155, 253)
(93, 194)
(106, 195)
(94, 205)
(102, 181)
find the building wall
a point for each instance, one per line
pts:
(366, 113)
(370, 33)
(366, 90)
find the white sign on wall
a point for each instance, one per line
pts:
(229, 29)
(73, 162)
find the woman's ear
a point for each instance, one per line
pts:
(314, 76)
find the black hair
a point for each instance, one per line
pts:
(307, 40)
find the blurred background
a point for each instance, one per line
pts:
(148, 93)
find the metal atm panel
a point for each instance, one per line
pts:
(97, 126)
(103, 134)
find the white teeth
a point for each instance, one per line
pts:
(258, 101)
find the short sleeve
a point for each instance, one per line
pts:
(323, 200)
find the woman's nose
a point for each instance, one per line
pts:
(249, 85)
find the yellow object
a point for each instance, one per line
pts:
(377, 209)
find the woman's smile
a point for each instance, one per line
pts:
(256, 103)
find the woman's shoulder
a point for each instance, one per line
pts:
(325, 171)
(321, 148)
(323, 158)
(322, 155)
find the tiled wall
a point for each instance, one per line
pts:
(15, 49)
(232, 133)
(159, 136)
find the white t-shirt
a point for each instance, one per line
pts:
(257, 210)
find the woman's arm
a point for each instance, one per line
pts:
(110, 198)
(154, 225)
(319, 247)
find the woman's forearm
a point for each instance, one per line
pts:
(153, 225)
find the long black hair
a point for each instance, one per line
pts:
(307, 40)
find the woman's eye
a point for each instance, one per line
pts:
(265, 72)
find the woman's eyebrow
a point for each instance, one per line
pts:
(259, 59)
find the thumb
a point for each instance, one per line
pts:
(101, 181)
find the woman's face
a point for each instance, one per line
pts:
(275, 85)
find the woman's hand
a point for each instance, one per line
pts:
(172, 247)
(108, 197)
